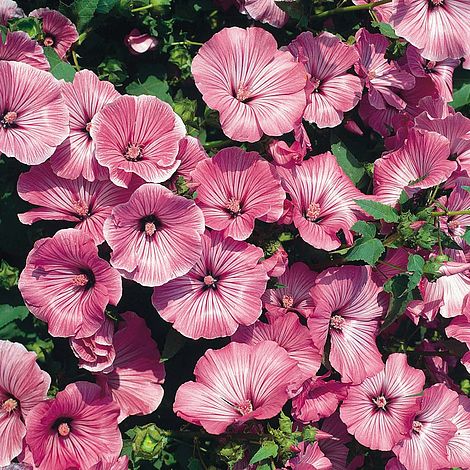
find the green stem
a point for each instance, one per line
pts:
(145, 7)
(186, 43)
(365, 6)
(217, 144)
(450, 213)
(75, 60)
(392, 266)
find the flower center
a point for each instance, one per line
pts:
(287, 301)
(313, 212)
(316, 84)
(337, 322)
(80, 280)
(233, 206)
(244, 407)
(81, 209)
(149, 225)
(243, 93)
(9, 405)
(456, 228)
(88, 127)
(63, 429)
(429, 66)
(436, 3)
(133, 153)
(8, 119)
(371, 74)
(210, 281)
(380, 402)
(417, 427)
(49, 41)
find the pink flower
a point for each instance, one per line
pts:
(335, 449)
(458, 447)
(286, 331)
(286, 155)
(295, 296)
(431, 430)
(137, 134)
(22, 386)
(155, 236)
(19, 47)
(380, 410)
(8, 10)
(235, 384)
(67, 285)
(323, 199)
(87, 204)
(310, 457)
(277, 263)
(265, 97)
(439, 28)
(59, 32)
(236, 187)
(383, 12)
(135, 381)
(112, 464)
(349, 305)
(33, 116)
(459, 329)
(382, 77)
(333, 91)
(76, 429)
(421, 163)
(138, 43)
(96, 353)
(84, 97)
(222, 291)
(265, 11)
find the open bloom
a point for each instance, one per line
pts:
(33, 116)
(222, 291)
(84, 97)
(19, 47)
(8, 10)
(86, 204)
(155, 236)
(265, 97)
(459, 329)
(333, 90)
(236, 187)
(59, 32)
(138, 43)
(349, 305)
(22, 386)
(237, 383)
(335, 449)
(439, 28)
(66, 284)
(458, 447)
(265, 11)
(135, 381)
(137, 134)
(422, 162)
(112, 464)
(76, 429)
(382, 12)
(310, 456)
(323, 200)
(379, 412)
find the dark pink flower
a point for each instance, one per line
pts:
(137, 134)
(310, 457)
(265, 11)
(458, 447)
(222, 290)
(335, 449)
(66, 284)
(22, 386)
(138, 43)
(155, 236)
(277, 263)
(295, 295)
(237, 383)
(323, 200)
(8, 10)
(267, 97)
(19, 47)
(59, 32)
(86, 204)
(84, 97)
(76, 429)
(349, 305)
(380, 410)
(286, 155)
(33, 116)
(333, 91)
(236, 187)
(135, 381)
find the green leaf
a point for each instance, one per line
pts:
(151, 86)
(365, 249)
(378, 210)
(467, 188)
(466, 237)
(415, 263)
(385, 29)
(105, 6)
(29, 24)
(84, 10)
(60, 69)
(173, 343)
(293, 8)
(285, 423)
(8, 275)
(461, 96)
(347, 161)
(267, 450)
(3, 33)
(9, 314)
(366, 229)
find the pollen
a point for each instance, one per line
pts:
(80, 280)
(233, 206)
(8, 119)
(287, 301)
(133, 153)
(9, 405)
(243, 93)
(313, 212)
(245, 407)
(337, 322)
(63, 429)
(380, 402)
(209, 281)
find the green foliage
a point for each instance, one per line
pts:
(378, 210)
(84, 11)
(367, 248)
(232, 452)
(8, 275)
(173, 344)
(105, 6)
(113, 69)
(9, 314)
(461, 96)
(385, 29)
(267, 450)
(347, 161)
(150, 86)
(60, 69)
(30, 25)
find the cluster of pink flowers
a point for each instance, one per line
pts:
(108, 164)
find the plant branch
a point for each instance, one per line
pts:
(337, 11)
(450, 213)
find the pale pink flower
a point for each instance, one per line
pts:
(256, 88)
(135, 381)
(349, 305)
(8, 10)
(382, 77)
(286, 155)
(383, 12)
(310, 457)
(33, 116)
(459, 329)
(87, 204)
(297, 280)
(431, 430)
(137, 134)
(155, 236)
(323, 200)
(76, 429)
(379, 412)
(265, 11)
(112, 464)
(22, 386)
(59, 32)
(332, 90)
(19, 47)
(439, 28)
(222, 290)
(422, 162)
(138, 42)
(237, 383)
(84, 97)
(277, 263)
(236, 187)
(458, 447)
(289, 333)
(66, 284)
